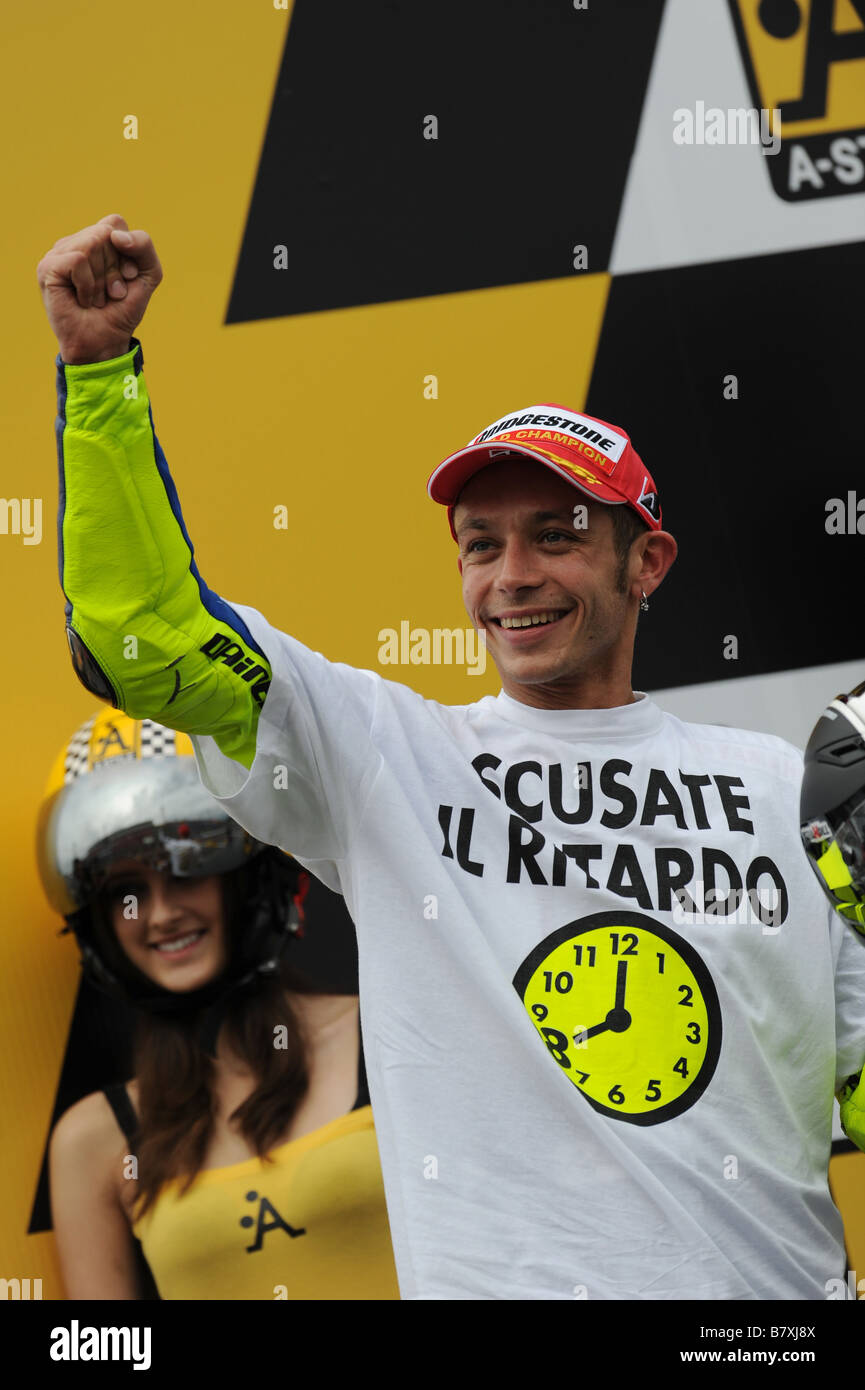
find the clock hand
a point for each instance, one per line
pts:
(621, 977)
(618, 1019)
(590, 1032)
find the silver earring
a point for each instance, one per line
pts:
(644, 604)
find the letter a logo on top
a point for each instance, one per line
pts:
(807, 58)
(648, 500)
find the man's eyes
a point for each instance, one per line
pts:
(552, 534)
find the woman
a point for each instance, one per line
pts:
(242, 1155)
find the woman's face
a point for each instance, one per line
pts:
(172, 929)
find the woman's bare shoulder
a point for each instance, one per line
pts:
(87, 1128)
(90, 1216)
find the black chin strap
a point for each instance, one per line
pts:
(214, 1015)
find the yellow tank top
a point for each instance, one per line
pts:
(310, 1224)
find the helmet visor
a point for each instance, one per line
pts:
(186, 849)
(835, 846)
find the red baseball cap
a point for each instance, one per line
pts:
(595, 457)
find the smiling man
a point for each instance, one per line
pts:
(593, 1074)
(551, 583)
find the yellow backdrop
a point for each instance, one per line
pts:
(325, 413)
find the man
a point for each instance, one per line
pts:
(604, 1003)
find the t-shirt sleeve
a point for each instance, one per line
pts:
(315, 761)
(849, 999)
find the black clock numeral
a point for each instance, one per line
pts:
(584, 1076)
(660, 962)
(689, 994)
(654, 1087)
(590, 952)
(682, 1067)
(564, 981)
(630, 949)
(696, 1034)
(616, 1095)
(558, 1045)
(540, 1012)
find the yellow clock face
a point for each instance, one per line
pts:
(628, 1010)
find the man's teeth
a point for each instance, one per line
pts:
(531, 620)
(179, 942)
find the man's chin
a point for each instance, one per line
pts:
(531, 669)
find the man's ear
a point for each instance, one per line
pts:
(658, 555)
(460, 564)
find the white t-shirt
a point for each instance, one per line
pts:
(584, 1085)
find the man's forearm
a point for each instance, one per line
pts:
(145, 632)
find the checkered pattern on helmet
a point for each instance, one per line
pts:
(156, 740)
(76, 751)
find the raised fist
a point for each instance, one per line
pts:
(96, 286)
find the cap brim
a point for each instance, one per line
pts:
(448, 480)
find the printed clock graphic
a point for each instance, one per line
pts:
(628, 1010)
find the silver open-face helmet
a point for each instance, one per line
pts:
(124, 788)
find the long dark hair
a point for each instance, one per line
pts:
(176, 1095)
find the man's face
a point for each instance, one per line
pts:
(521, 556)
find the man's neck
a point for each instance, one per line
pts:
(571, 694)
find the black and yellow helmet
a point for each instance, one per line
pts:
(129, 788)
(832, 806)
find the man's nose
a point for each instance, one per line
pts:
(520, 566)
